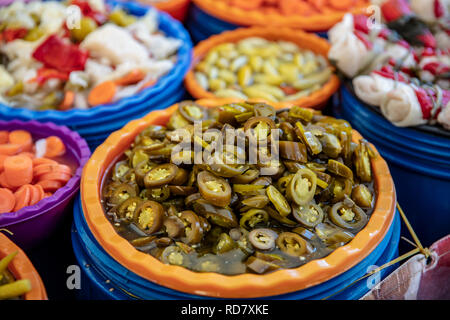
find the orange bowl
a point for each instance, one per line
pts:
(316, 22)
(214, 284)
(176, 8)
(22, 268)
(315, 100)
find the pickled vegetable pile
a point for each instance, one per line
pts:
(259, 68)
(11, 288)
(79, 54)
(30, 170)
(240, 216)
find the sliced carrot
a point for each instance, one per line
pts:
(38, 161)
(10, 149)
(4, 136)
(67, 103)
(49, 168)
(50, 185)
(55, 147)
(57, 176)
(18, 170)
(35, 195)
(47, 194)
(148, 84)
(2, 159)
(27, 154)
(288, 90)
(23, 196)
(40, 191)
(131, 78)
(21, 137)
(4, 183)
(102, 93)
(7, 200)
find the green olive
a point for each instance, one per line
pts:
(87, 25)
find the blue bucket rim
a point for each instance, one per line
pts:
(171, 27)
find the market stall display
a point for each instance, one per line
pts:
(398, 98)
(278, 65)
(18, 278)
(40, 169)
(80, 76)
(210, 17)
(182, 280)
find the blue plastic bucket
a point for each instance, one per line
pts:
(95, 124)
(105, 278)
(419, 163)
(202, 25)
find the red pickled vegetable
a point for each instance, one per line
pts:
(57, 54)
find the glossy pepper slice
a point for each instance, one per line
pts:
(295, 151)
(193, 227)
(149, 216)
(308, 215)
(308, 138)
(263, 238)
(224, 244)
(302, 187)
(174, 226)
(259, 128)
(352, 218)
(214, 189)
(223, 217)
(253, 217)
(361, 159)
(332, 235)
(278, 201)
(260, 266)
(291, 244)
(192, 111)
(340, 169)
(126, 209)
(122, 193)
(362, 196)
(160, 175)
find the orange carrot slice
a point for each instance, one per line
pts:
(21, 137)
(18, 170)
(39, 161)
(67, 103)
(7, 200)
(131, 78)
(50, 185)
(49, 168)
(4, 183)
(40, 191)
(35, 195)
(27, 154)
(10, 149)
(55, 147)
(102, 93)
(2, 160)
(23, 196)
(57, 176)
(47, 194)
(4, 136)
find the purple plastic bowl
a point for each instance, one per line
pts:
(32, 224)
